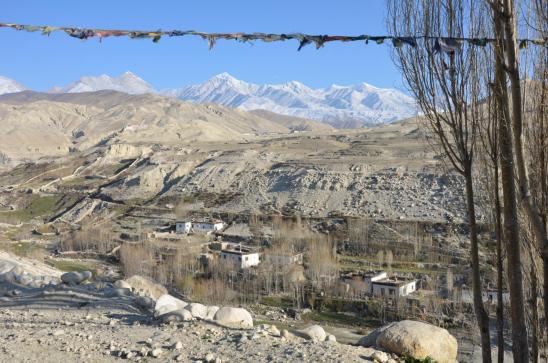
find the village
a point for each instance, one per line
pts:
(234, 247)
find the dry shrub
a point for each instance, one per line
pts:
(137, 259)
(213, 291)
(93, 239)
(322, 267)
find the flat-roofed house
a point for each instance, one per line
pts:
(205, 226)
(240, 256)
(183, 227)
(393, 288)
(372, 276)
(208, 226)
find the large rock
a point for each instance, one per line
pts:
(24, 279)
(75, 277)
(416, 339)
(145, 287)
(197, 310)
(314, 333)
(211, 311)
(7, 277)
(144, 302)
(167, 303)
(236, 318)
(176, 316)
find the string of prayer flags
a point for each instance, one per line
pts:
(448, 45)
(398, 42)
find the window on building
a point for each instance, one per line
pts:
(382, 291)
(390, 291)
(246, 258)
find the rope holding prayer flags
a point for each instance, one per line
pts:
(447, 45)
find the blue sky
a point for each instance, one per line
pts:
(40, 62)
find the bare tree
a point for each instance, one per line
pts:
(389, 257)
(536, 124)
(444, 78)
(380, 258)
(322, 267)
(490, 180)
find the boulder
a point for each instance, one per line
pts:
(370, 340)
(176, 316)
(146, 287)
(274, 331)
(167, 303)
(7, 277)
(6, 266)
(144, 302)
(314, 333)
(197, 310)
(75, 277)
(23, 279)
(236, 318)
(211, 310)
(415, 339)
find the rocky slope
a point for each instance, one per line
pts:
(385, 172)
(39, 124)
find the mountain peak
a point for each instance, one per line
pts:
(337, 105)
(8, 85)
(129, 74)
(127, 82)
(224, 76)
(359, 104)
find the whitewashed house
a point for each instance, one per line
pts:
(183, 227)
(371, 277)
(205, 226)
(208, 226)
(241, 257)
(393, 288)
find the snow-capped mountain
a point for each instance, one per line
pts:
(127, 82)
(10, 86)
(340, 106)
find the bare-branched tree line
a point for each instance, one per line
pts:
(485, 108)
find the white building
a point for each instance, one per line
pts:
(183, 227)
(208, 226)
(199, 227)
(371, 277)
(393, 288)
(241, 257)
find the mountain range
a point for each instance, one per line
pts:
(340, 106)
